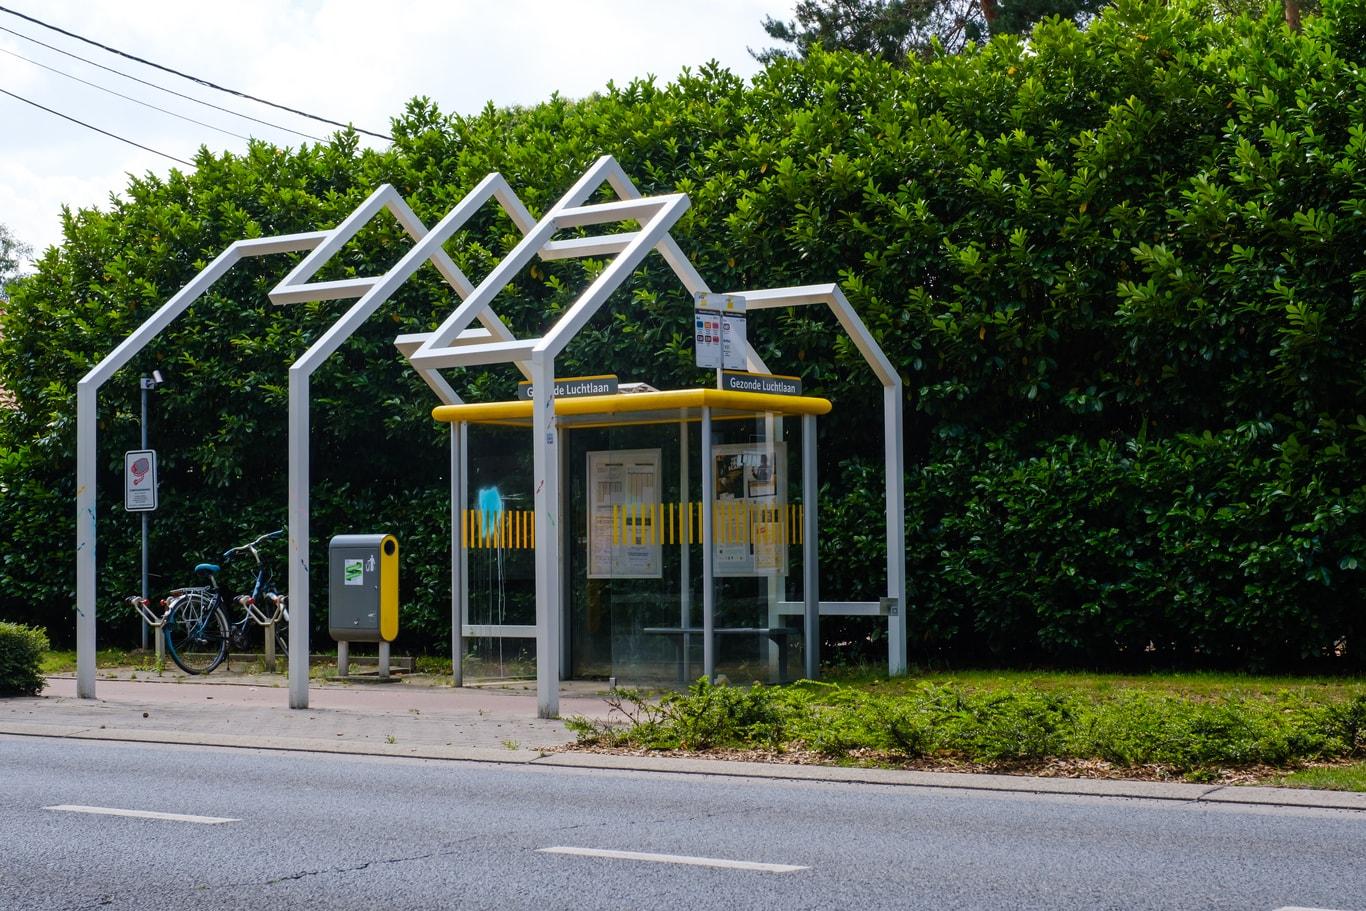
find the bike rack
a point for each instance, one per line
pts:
(143, 607)
(267, 621)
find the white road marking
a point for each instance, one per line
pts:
(143, 814)
(1297, 908)
(676, 859)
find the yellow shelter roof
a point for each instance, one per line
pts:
(670, 406)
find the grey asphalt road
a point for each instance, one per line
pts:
(354, 832)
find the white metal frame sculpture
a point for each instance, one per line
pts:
(294, 288)
(445, 348)
(458, 343)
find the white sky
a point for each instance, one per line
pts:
(348, 60)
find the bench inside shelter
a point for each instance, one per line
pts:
(780, 636)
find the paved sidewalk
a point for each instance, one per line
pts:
(413, 720)
(346, 717)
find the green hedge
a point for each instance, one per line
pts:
(1227, 550)
(21, 656)
(1118, 268)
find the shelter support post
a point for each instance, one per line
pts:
(685, 550)
(546, 476)
(142, 428)
(463, 496)
(777, 583)
(85, 540)
(298, 537)
(896, 530)
(566, 542)
(708, 567)
(457, 551)
(811, 595)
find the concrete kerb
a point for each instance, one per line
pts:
(474, 736)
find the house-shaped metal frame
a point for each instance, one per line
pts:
(458, 342)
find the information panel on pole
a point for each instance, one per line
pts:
(707, 338)
(733, 346)
(140, 480)
(719, 331)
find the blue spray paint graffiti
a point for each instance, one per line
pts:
(490, 501)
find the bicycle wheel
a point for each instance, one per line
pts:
(196, 633)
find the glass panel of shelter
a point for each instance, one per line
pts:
(497, 537)
(757, 527)
(633, 552)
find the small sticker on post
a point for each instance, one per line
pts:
(353, 572)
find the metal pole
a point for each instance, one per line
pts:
(684, 549)
(708, 583)
(298, 537)
(143, 390)
(811, 572)
(896, 530)
(777, 584)
(457, 577)
(546, 477)
(566, 542)
(269, 630)
(86, 440)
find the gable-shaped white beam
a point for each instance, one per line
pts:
(294, 288)
(87, 435)
(573, 210)
(658, 215)
(893, 443)
(427, 248)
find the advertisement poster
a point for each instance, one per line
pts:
(623, 493)
(748, 539)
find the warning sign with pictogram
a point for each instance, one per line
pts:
(140, 480)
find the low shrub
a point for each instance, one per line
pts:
(21, 655)
(1129, 728)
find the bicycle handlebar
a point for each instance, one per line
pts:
(243, 548)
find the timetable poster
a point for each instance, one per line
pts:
(747, 508)
(623, 493)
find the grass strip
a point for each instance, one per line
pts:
(1329, 778)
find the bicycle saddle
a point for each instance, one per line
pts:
(206, 568)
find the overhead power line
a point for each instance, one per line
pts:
(95, 128)
(195, 79)
(146, 104)
(160, 88)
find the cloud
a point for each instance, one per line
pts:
(348, 60)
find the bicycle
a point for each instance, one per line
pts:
(196, 625)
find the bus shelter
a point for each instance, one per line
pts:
(570, 230)
(687, 535)
(702, 443)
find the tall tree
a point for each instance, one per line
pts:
(895, 29)
(12, 254)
